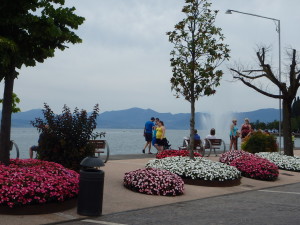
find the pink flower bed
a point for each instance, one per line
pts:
(31, 181)
(228, 157)
(172, 153)
(256, 167)
(154, 182)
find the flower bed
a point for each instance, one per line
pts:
(199, 168)
(256, 167)
(172, 153)
(31, 181)
(282, 161)
(228, 157)
(154, 182)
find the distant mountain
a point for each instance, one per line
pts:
(22, 119)
(263, 115)
(135, 118)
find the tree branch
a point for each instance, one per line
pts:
(257, 89)
(246, 76)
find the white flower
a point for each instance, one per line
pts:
(282, 161)
(199, 168)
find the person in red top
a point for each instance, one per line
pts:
(246, 128)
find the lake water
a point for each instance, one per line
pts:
(121, 141)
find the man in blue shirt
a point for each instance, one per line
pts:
(148, 134)
(196, 136)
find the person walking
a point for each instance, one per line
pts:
(160, 136)
(148, 134)
(154, 131)
(233, 135)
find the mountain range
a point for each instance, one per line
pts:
(135, 118)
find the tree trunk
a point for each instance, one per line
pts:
(287, 127)
(6, 120)
(192, 128)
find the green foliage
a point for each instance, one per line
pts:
(30, 31)
(263, 126)
(65, 138)
(259, 142)
(198, 51)
(16, 101)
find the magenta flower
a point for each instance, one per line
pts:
(154, 182)
(31, 181)
(172, 153)
(228, 157)
(256, 167)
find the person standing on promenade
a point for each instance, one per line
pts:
(154, 132)
(148, 134)
(160, 136)
(233, 135)
(246, 128)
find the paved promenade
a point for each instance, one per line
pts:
(251, 202)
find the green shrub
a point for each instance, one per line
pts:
(64, 137)
(259, 141)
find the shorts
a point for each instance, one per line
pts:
(161, 142)
(148, 137)
(233, 138)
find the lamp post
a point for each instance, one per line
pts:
(230, 11)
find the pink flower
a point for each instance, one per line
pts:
(172, 153)
(256, 167)
(33, 181)
(228, 157)
(154, 182)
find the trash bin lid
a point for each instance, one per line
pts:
(92, 162)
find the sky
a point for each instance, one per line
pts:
(124, 59)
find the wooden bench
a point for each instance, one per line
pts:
(100, 147)
(198, 146)
(213, 144)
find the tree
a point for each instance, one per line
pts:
(198, 51)
(65, 138)
(288, 93)
(30, 32)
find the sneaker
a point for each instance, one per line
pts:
(143, 151)
(150, 153)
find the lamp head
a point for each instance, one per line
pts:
(229, 11)
(92, 162)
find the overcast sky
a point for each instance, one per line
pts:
(123, 61)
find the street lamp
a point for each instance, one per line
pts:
(230, 11)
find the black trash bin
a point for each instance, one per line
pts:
(91, 182)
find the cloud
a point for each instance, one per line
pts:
(123, 61)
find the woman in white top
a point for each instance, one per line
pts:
(212, 134)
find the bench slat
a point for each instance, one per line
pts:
(99, 144)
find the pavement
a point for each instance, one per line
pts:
(251, 202)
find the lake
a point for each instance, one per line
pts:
(121, 141)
